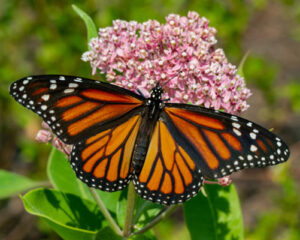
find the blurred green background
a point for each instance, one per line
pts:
(47, 37)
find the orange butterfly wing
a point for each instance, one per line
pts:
(168, 175)
(74, 107)
(104, 160)
(221, 143)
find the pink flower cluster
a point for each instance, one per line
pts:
(180, 54)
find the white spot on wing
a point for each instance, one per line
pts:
(46, 97)
(69, 90)
(78, 80)
(73, 85)
(53, 86)
(236, 125)
(253, 135)
(253, 148)
(249, 124)
(234, 118)
(237, 132)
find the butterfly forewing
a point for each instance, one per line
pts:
(221, 143)
(74, 107)
(168, 175)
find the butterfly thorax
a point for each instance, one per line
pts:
(154, 101)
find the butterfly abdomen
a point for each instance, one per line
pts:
(143, 139)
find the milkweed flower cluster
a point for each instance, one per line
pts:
(179, 54)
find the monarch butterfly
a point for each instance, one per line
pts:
(166, 149)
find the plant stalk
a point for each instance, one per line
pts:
(105, 212)
(131, 197)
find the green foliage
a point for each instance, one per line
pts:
(283, 220)
(262, 74)
(107, 233)
(70, 216)
(292, 91)
(50, 204)
(63, 178)
(215, 217)
(240, 69)
(90, 26)
(12, 184)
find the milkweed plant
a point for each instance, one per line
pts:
(181, 55)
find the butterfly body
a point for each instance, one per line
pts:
(166, 149)
(154, 105)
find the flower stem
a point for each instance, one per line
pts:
(162, 215)
(131, 197)
(105, 212)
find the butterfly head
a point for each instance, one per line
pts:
(156, 93)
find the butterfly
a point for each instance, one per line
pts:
(166, 149)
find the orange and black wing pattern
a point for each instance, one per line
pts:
(74, 107)
(104, 160)
(169, 175)
(221, 143)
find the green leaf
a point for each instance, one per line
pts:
(70, 216)
(215, 217)
(145, 211)
(63, 177)
(241, 65)
(107, 233)
(149, 235)
(110, 199)
(90, 26)
(122, 207)
(12, 184)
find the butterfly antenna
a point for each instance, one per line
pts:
(140, 92)
(164, 83)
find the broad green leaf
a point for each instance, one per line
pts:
(90, 26)
(110, 199)
(145, 211)
(64, 179)
(215, 217)
(12, 184)
(107, 234)
(70, 216)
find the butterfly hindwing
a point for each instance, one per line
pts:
(104, 160)
(168, 175)
(74, 107)
(221, 143)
